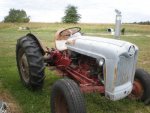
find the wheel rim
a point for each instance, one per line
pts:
(24, 68)
(61, 104)
(137, 91)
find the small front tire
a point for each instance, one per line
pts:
(141, 86)
(66, 97)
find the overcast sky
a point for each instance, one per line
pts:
(92, 11)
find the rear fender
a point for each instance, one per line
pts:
(38, 42)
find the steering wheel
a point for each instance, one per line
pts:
(70, 31)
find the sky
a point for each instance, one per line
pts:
(91, 11)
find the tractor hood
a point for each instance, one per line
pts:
(104, 40)
(99, 47)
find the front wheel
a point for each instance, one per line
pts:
(66, 97)
(141, 86)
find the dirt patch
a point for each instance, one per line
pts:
(12, 106)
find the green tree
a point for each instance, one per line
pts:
(71, 15)
(17, 16)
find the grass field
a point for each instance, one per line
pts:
(38, 102)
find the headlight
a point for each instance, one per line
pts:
(101, 62)
(131, 50)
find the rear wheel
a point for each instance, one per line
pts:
(30, 62)
(66, 97)
(141, 86)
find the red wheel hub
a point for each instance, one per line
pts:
(138, 90)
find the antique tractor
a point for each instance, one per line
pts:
(88, 64)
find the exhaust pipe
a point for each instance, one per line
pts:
(118, 24)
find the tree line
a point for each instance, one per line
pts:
(20, 16)
(17, 16)
(142, 23)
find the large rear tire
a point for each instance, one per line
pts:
(30, 62)
(141, 86)
(66, 97)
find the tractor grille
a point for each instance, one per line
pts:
(125, 70)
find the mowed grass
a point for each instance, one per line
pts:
(39, 101)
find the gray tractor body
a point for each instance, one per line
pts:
(120, 59)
